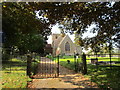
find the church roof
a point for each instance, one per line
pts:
(63, 39)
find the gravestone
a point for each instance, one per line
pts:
(94, 60)
(68, 61)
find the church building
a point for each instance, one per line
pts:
(62, 44)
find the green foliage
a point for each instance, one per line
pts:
(65, 57)
(78, 16)
(105, 58)
(22, 28)
(49, 56)
(31, 43)
(69, 66)
(5, 57)
(101, 49)
(78, 40)
(72, 16)
(35, 63)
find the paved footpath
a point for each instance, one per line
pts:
(67, 79)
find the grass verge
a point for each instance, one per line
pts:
(14, 74)
(104, 77)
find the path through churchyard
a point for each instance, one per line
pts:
(67, 79)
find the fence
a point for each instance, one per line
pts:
(20, 63)
(13, 64)
(103, 61)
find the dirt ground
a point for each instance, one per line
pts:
(67, 79)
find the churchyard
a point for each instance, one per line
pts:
(14, 71)
(29, 57)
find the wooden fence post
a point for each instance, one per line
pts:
(29, 63)
(84, 64)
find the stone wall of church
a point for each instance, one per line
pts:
(62, 46)
(56, 38)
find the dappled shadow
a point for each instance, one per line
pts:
(79, 80)
(70, 76)
(9, 65)
(106, 77)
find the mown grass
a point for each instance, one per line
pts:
(71, 65)
(14, 74)
(105, 58)
(104, 77)
(63, 60)
(14, 79)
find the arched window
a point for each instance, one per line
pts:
(67, 46)
(56, 37)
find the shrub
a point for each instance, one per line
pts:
(5, 57)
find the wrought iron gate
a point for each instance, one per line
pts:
(48, 68)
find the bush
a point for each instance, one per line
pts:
(5, 57)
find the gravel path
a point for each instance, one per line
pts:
(67, 79)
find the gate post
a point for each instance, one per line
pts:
(84, 64)
(29, 62)
(75, 62)
(58, 66)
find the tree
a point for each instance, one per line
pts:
(31, 43)
(22, 28)
(78, 16)
(78, 40)
(72, 16)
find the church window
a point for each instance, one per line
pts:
(67, 47)
(56, 37)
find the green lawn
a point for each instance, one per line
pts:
(63, 60)
(14, 74)
(15, 79)
(105, 58)
(103, 76)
